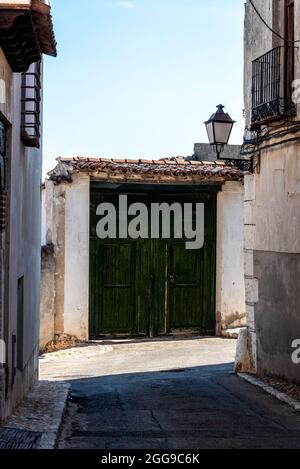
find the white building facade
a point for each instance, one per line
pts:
(272, 193)
(68, 254)
(20, 198)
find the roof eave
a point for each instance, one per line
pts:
(26, 32)
(143, 171)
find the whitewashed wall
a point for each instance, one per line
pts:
(272, 222)
(77, 232)
(23, 237)
(68, 208)
(230, 291)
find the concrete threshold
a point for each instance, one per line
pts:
(42, 413)
(295, 404)
(232, 333)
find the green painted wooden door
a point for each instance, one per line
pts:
(152, 286)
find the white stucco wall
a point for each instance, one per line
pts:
(272, 221)
(66, 225)
(23, 240)
(277, 212)
(68, 229)
(44, 219)
(77, 232)
(230, 289)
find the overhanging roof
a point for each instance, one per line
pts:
(175, 170)
(26, 32)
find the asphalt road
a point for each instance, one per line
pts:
(173, 394)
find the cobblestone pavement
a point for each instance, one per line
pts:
(166, 394)
(291, 390)
(11, 438)
(36, 422)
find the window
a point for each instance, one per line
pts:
(2, 176)
(2, 155)
(20, 325)
(289, 47)
(290, 19)
(31, 106)
(273, 74)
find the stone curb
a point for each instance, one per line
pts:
(42, 411)
(270, 390)
(49, 439)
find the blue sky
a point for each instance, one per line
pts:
(138, 78)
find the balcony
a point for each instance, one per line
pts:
(272, 77)
(31, 106)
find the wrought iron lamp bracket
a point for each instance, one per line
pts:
(245, 165)
(241, 164)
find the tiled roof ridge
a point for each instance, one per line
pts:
(176, 167)
(176, 160)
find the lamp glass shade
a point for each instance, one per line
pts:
(219, 127)
(222, 132)
(210, 132)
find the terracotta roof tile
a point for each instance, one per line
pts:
(166, 167)
(26, 32)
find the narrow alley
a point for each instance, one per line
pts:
(149, 229)
(168, 393)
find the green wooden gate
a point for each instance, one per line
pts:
(149, 287)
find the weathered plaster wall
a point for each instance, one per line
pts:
(56, 235)
(277, 312)
(272, 243)
(230, 304)
(272, 224)
(53, 227)
(47, 329)
(5, 110)
(44, 217)
(77, 233)
(251, 282)
(22, 248)
(277, 199)
(67, 208)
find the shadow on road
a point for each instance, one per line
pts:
(200, 407)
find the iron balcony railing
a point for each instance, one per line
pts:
(31, 106)
(272, 76)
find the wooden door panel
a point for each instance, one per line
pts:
(143, 287)
(152, 286)
(118, 284)
(185, 266)
(192, 276)
(112, 286)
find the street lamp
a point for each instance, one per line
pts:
(219, 128)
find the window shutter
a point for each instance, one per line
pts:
(3, 194)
